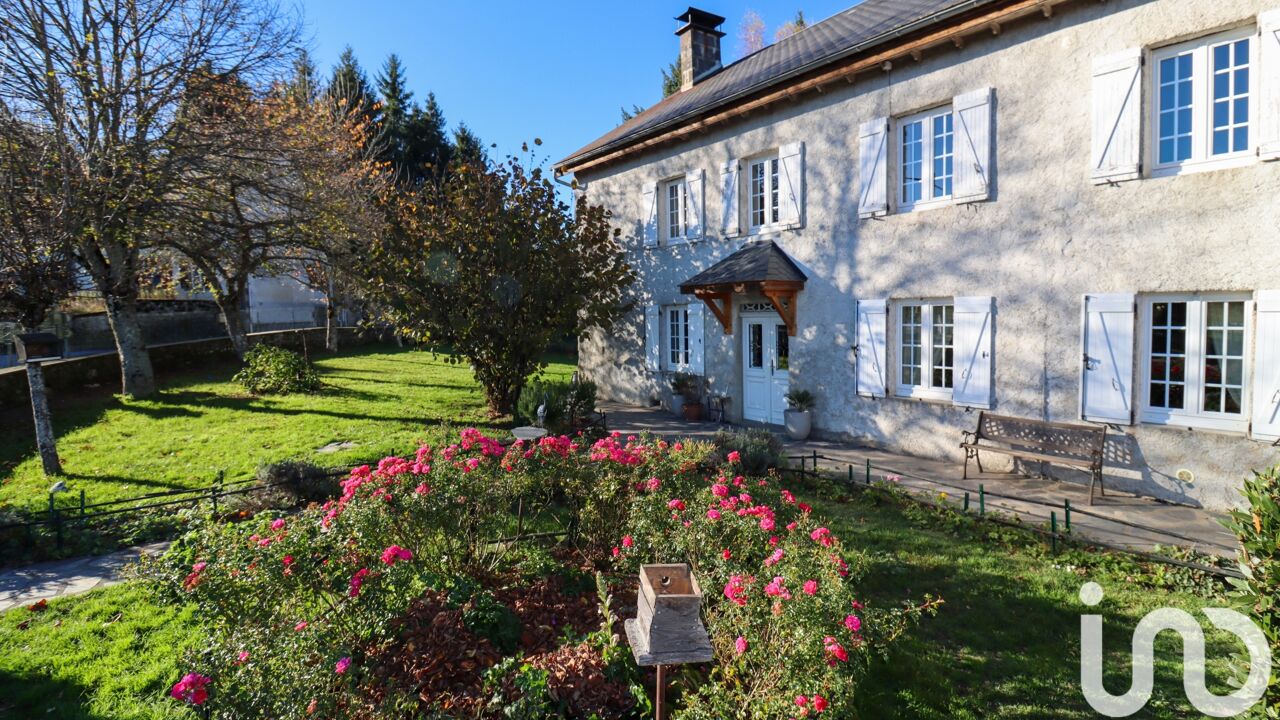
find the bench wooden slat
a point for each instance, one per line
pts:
(1069, 450)
(1039, 457)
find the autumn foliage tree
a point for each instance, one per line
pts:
(490, 262)
(289, 179)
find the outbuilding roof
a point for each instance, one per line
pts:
(859, 28)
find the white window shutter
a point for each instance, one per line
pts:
(652, 338)
(1117, 117)
(729, 209)
(1266, 367)
(1268, 112)
(873, 168)
(973, 146)
(1106, 385)
(697, 357)
(649, 205)
(974, 352)
(694, 182)
(791, 180)
(872, 318)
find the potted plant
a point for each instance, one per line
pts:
(685, 398)
(798, 415)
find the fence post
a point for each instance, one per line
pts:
(868, 471)
(213, 494)
(982, 501)
(966, 501)
(57, 526)
(1066, 513)
(1053, 531)
(815, 462)
(850, 474)
(82, 502)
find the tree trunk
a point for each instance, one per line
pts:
(330, 324)
(235, 329)
(44, 422)
(137, 377)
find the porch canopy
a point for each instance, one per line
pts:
(759, 267)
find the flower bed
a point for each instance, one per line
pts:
(406, 595)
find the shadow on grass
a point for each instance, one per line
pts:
(40, 696)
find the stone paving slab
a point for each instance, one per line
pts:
(45, 581)
(1104, 522)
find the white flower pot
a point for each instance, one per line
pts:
(798, 422)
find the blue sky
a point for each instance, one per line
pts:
(555, 69)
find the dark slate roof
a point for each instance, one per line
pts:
(755, 262)
(859, 28)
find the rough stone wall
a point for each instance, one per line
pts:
(1047, 237)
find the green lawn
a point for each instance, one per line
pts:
(1004, 645)
(201, 424)
(110, 654)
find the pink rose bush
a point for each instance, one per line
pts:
(295, 621)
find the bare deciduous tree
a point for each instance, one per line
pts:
(106, 80)
(285, 180)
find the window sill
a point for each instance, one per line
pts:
(1198, 166)
(925, 205)
(924, 394)
(1226, 426)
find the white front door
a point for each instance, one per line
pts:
(765, 373)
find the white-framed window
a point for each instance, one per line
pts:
(926, 158)
(926, 349)
(763, 207)
(1196, 361)
(675, 210)
(676, 355)
(1203, 109)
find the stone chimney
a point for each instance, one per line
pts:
(699, 45)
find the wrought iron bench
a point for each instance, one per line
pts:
(1065, 444)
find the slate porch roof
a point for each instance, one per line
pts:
(755, 262)
(862, 27)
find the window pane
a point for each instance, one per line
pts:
(1175, 108)
(782, 346)
(943, 350)
(757, 194)
(684, 333)
(675, 227)
(1168, 359)
(912, 162)
(943, 157)
(773, 190)
(1230, 97)
(756, 332)
(911, 347)
(1224, 357)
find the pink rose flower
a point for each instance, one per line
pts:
(242, 658)
(675, 504)
(395, 553)
(627, 541)
(810, 587)
(726, 554)
(740, 644)
(853, 623)
(616, 551)
(342, 665)
(191, 689)
(278, 524)
(735, 457)
(302, 625)
(713, 514)
(819, 703)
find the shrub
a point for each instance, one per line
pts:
(270, 370)
(1258, 530)
(568, 404)
(759, 449)
(361, 606)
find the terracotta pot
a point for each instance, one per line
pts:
(692, 411)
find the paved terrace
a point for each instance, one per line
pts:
(1110, 521)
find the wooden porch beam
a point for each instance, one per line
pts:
(784, 301)
(723, 313)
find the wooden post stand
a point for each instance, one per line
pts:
(667, 629)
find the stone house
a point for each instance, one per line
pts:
(917, 209)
